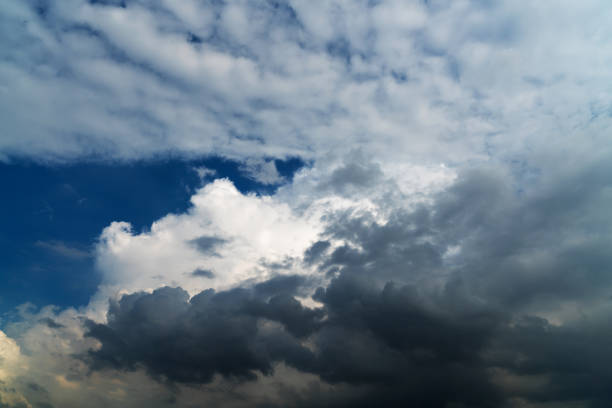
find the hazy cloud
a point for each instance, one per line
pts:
(262, 171)
(62, 249)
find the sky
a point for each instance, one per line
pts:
(347, 203)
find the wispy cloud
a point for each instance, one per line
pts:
(62, 249)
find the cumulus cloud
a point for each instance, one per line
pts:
(460, 295)
(359, 342)
(189, 340)
(11, 365)
(224, 231)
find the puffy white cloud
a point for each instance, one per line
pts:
(230, 234)
(11, 365)
(9, 356)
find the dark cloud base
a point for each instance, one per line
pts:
(385, 341)
(389, 344)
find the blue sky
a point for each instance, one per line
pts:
(302, 204)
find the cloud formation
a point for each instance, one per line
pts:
(446, 243)
(434, 80)
(482, 296)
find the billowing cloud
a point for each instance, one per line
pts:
(233, 234)
(12, 364)
(481, 296)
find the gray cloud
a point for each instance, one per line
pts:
(386, 340)
(191, 340)
(208, 244)
(355, 175)
(52, 324)
(316, 251)
(203, 273)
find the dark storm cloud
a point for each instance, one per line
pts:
(392, 341)
(519, 254)
(511, 248)
(385, 340)
(405, 318)
(190, 340)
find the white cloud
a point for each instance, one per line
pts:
(242, 231)
(262, 171)
(404, 81)
(11, 366)
(203, 172)
(9, 356)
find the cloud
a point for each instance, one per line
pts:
(203, 273)
(10, 367)
(262, 171)
(435, 82)
(52, 324)
(207, 244)
(359, 342)
(481, 295)
(357, 173)
(315, 251)
(224, 231)
(189, 340)
(9, 353)
(62, 249)
(204, 172)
